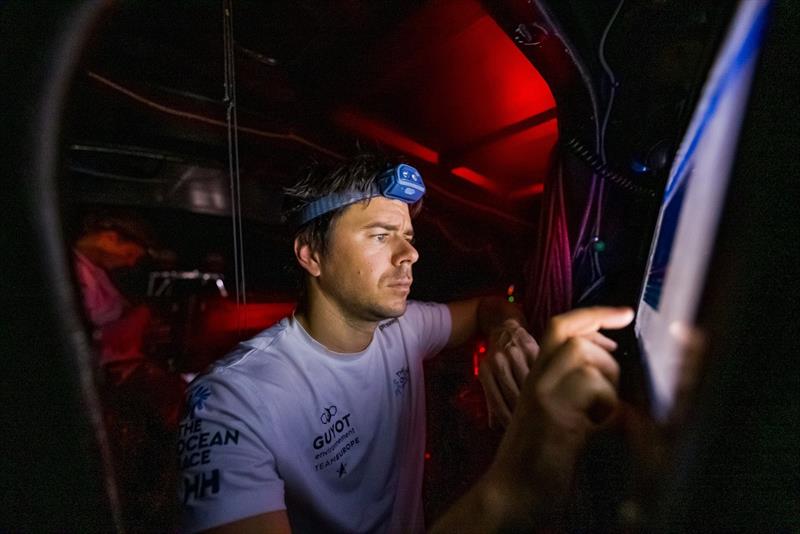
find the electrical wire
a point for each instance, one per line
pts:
(233, 159)
(615, 178)
(550, 292)
(611, 78)
(208, 120)
(612, 92)
(587, 78)
(584, 248)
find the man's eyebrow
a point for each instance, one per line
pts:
(386, 226)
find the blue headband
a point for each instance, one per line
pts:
(401, 182)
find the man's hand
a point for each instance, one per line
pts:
(510, 356)
(509, 359)
(569, 391)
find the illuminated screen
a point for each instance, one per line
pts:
(692, 205)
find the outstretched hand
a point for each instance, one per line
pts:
(510, 356)
(570, 390)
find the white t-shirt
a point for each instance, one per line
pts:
(335, 439)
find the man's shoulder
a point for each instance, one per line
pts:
(417, 316)
(260, 356)
(246, 377)
(417, 308)
(429, 323)
(271, 339)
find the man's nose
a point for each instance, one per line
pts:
(405, 253)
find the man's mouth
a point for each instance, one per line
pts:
(405, 283)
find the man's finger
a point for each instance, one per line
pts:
(575, 353)
(530, 348)
(495, 403)
(524, 338)
(599, 339)
(504, 378)
(582, 322)
(519, 364)
(589, 392)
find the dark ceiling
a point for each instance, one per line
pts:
(437, 82)
(450, 85)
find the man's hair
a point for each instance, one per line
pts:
(358, 173)
(127, 224)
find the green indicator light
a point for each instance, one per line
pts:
(600, 246)
(511, 298)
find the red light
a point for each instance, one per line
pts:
(475, 178)
(226, 316)
(477, 356)
(532, 190)
(427, 455)
(382, 132)
(510, 290)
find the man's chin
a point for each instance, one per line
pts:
(390, 312)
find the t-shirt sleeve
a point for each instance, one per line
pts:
(227, 470)
(433, 324)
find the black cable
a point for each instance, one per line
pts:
(602, 169)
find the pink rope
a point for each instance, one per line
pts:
(549, 288)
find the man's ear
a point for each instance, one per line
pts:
(308, 259)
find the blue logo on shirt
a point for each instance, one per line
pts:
(198, 398)
(401, 380)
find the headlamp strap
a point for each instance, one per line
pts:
(401, 182)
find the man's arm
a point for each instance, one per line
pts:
(570, 390)
(510, 353)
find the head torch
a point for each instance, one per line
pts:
(401, 182)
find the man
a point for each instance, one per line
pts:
(317, 424)
(109, 242)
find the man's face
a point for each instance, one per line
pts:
(366, 271)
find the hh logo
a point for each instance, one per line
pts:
(401, 380)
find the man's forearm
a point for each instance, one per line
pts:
(497, 502)
(488, 507)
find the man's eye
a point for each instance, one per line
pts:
(381, 237)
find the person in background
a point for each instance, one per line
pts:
(141, 398)
(111, 240)
(318, 423)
